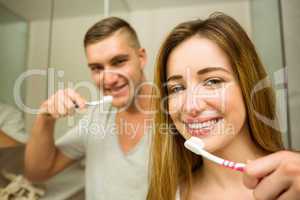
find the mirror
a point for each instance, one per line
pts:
(13, 39)
(19, 52)
(24, 33)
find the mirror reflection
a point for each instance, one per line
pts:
(13, 39)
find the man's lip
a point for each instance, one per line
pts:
(115, 88)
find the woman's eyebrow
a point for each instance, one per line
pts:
(210, 69)
(200, 72)
(174, 77)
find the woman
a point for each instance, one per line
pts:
(207, 71)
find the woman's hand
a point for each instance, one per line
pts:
(274, 177)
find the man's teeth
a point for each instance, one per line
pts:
(206, 124)
(118, 88)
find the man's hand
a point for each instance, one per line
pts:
(62, 103)
(274, 177)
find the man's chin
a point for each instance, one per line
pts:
(121, 102)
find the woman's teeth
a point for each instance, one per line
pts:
(202, 125)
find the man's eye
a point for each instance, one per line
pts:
(175, 89)
(119, 62)
(213, 82)
(97, 69)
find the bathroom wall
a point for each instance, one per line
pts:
(266, 33)
(36, 85)
(291, 30)
(153, 24)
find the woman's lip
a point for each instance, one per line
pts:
(200, 120)
(204, 131)
(199, 132)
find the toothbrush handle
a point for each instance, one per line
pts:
(235, 166)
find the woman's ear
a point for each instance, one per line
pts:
(143, 57)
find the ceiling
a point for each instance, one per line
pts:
(154, 4)
(41, 9)
(28, 9)
(7, 17)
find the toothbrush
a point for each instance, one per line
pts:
(196, 145)
(105, 99)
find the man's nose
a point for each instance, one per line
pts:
(110, 78)
(194, 102)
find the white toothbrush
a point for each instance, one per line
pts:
(196, 145)
(105, 99)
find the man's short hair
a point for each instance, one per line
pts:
(107, 27)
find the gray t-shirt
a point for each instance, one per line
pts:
(12, 123)
(110, 174)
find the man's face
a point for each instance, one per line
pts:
(116, 67)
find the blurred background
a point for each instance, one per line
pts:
(42, 51)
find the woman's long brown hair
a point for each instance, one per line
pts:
(170, 162)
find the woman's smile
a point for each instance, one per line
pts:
(202, 128)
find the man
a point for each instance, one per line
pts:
(116, 157)
(12, 128)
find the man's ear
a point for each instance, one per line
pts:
(143, 57)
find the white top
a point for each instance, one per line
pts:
(12, 122)
(109, 173)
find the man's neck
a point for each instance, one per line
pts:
(135, 119)
(142, 102)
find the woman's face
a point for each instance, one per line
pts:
(205, 99)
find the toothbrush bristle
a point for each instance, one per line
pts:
(107, 98)
(197, 141)
(193, 144)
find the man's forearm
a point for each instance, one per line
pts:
(40, 149)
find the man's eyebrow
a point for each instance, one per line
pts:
(91, 65)
(119, 57)
(210, 69)
(112, 60)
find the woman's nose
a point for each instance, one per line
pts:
(194, 102)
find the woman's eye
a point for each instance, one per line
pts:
(175, 89)
(213, 82)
